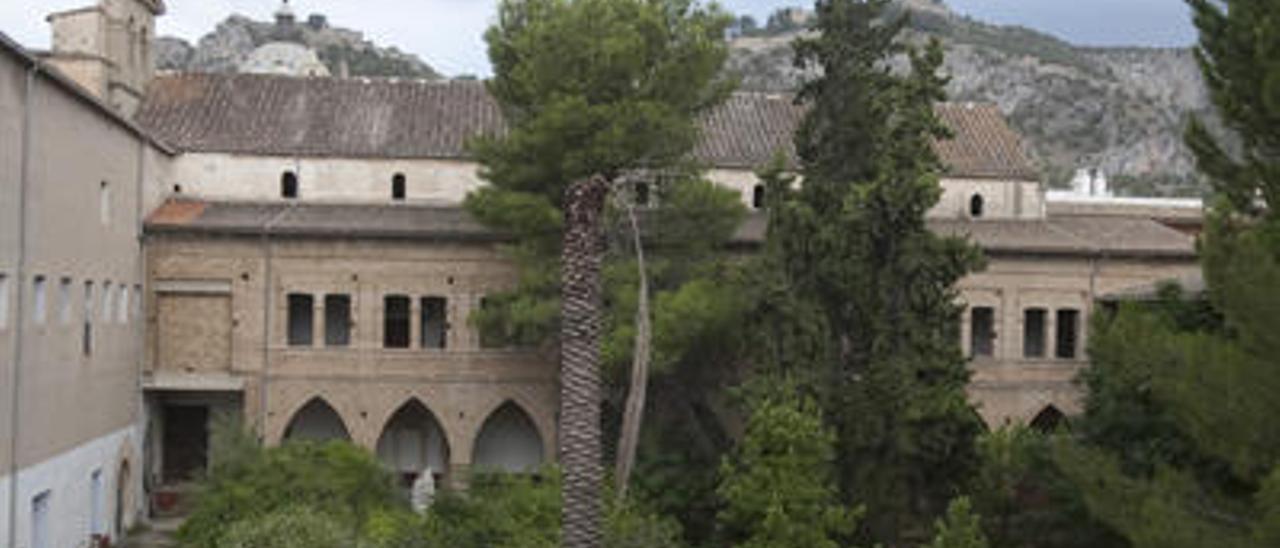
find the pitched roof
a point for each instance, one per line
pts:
(1073, 236)
(318, 220)
(384, 118)
(1117, 236)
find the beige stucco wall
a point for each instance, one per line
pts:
(1009, 387)
(1001, 199)
(365, 383)
(75, 149)
(348, 180)
(76, 413)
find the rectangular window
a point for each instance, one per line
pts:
(106, 302)
(40, 520)
(983, 332)
(38, 300)
(4, 300)
(395, 321)
(434, 322)
(337, 320)
(301, 311)
(1068, 333)
(1033, 323)
(64, 301)
(95, 503)
(104, 202)
(122, 305)
(137, 301)
(86, 335)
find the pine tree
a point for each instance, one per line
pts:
(852, 248)
(776, 488)
(594, 92)
(1208, 376)
(959, 528)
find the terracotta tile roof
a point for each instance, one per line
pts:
(319, 220)
(1117, 236)
(983, 146)
(1073, 236)
(282, 116)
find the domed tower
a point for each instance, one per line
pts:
(108, 48)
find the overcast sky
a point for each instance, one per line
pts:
(447, 33)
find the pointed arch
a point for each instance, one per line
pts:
(1048, 419)
(413, 441)
(508, 441)
(316, 421)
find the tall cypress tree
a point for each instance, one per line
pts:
(852, 246)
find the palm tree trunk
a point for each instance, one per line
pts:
(580, 396)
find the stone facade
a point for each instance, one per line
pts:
(1014, 383)
(306, 267)
(108, 49)
(208, 304)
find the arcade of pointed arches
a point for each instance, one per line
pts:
(414, 436)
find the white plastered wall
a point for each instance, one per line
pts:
(347, 180)
(67, 478)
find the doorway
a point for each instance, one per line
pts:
(185, 442)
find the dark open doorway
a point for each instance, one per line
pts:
(185, 442)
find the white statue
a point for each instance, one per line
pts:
(423, 491)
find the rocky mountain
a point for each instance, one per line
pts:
(236, 37)
(1122, 110)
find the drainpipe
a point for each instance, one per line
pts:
(19, 320)
(141, 418)
(267, 304)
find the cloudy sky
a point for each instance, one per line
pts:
(446, 33)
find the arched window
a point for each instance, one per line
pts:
(412, 442)
(1048, 420)
(289, 185)
(976, 206)
(508, 442)
(316, 421)
(757, 197)
(397, 187)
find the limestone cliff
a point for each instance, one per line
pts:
(1120, 109)
(236, 37)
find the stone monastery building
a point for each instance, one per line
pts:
(292, 251)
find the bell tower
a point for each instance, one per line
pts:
(109, 49)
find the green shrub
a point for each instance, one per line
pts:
(510, 511)
(288, 527)
(336, 479)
